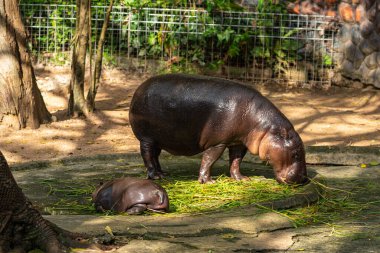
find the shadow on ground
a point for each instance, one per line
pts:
(347, 220)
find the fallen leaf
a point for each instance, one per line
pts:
(109, 230)
(228, 236)
(363, 165)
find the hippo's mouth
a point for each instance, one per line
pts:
(290, 180)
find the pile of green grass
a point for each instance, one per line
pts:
(186, 195)
(189, 196)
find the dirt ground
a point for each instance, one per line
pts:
(338, 116)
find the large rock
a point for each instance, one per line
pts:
(358, 38)
(366, 28)
(371, 61)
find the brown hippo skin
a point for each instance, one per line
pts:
(188, 114)
(131, 195)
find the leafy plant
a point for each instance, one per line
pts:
(187, 39)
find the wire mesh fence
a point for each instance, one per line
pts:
(241, 45)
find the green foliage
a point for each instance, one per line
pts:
(327, 60)
(192, 41)
(277, 43)
(108, 59)
(209, 5)
(64, 2)
(271, 6)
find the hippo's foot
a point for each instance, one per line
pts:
(240, 177)
(154, 174)
(137, 209)
(100, 209)
(206, 180)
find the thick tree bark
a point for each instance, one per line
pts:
(21, 103)
(21, 226)
(77, 102)
(98, 59)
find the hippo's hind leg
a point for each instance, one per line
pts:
(150, 153)
(209, 157)
(236, 154)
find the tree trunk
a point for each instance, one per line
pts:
(77, 102)
(21, 226)
(21, 103)
(98, 59)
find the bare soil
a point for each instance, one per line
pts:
(338, 116)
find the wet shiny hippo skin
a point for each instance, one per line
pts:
(188, 114)
(131, 195)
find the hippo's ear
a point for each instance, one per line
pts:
(284, 133)
(160, 195)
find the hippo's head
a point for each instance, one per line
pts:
(96, 191)
(286, 153)
(158, 200)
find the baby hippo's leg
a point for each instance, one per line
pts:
(137, 209)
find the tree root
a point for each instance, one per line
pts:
(27, 229)
(22, 227)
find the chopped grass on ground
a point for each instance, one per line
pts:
(336, 204)
(189, 196)
(185, 195)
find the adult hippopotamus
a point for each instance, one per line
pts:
(131, 195)
(188, 114)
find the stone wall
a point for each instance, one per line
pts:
(358, 41)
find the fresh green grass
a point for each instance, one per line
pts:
(189, 196)
(68, 196)
(335, 205)
(186, 195)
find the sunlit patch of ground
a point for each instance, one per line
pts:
(339, 116)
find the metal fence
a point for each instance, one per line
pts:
(243, 45)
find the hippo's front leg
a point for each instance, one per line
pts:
(236, 154)
(137, 209)
(209, 157)
(150, 153)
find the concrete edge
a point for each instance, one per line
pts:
(342, 155)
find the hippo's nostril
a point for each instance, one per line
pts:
(305, 181)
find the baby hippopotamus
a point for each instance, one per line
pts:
(190, 114)
(131, 195)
